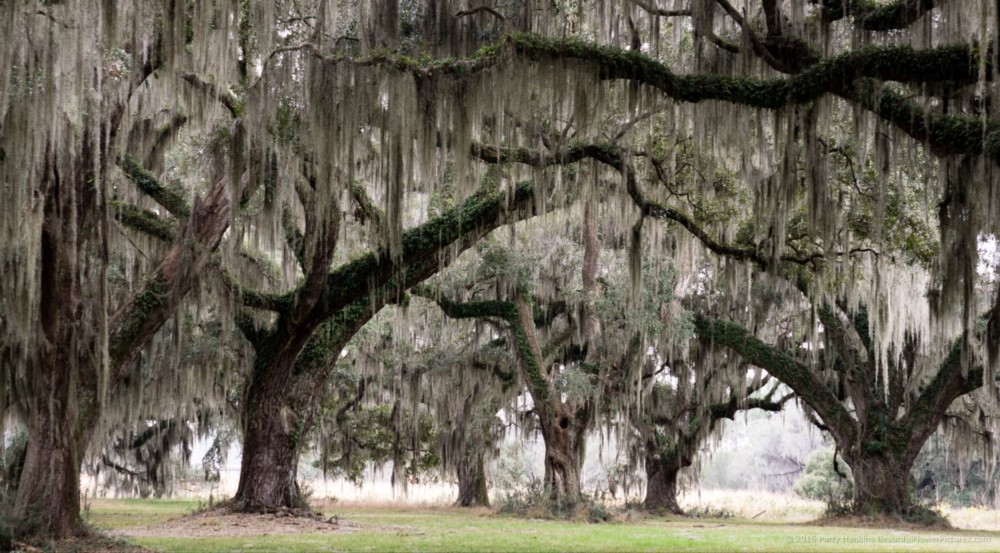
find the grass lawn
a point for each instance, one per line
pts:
(160, 525)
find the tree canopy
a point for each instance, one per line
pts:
(204, 203)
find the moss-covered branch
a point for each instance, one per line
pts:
(871, 15)
(141, 317)
(249, 297)
(423, 246)
(293, 237)
(944, 134)
(845, 75)
(467, 310)
(520, 321)
(947, 385)
(368, 210)
(171, 200)
(230, 101)
(145, 221)
(729, 409)
(783, 367)
(613, 157)
(557, 342)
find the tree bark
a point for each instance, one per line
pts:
(272, 435)
(295, 358)
(472, 486)
(661, 487)
(64, 363)
(564, 434)
(48, 493)
(881, 484)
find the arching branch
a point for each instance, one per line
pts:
(876, 16)
(226, 97)
(783, 367)
(144, 221)
(170, 199)
(143, 315)
(650, 7)
(481, 9)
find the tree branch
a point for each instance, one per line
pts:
(225, 97)
(650, 8)
(876, 16)
(481, 9)
(466, 310)
(144, 221)
(171, 200)
(143, 315)
(369, 211)
(783, 367)
(947, 385)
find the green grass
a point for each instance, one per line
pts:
(121, 514)
(423, 529)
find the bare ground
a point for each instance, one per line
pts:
(223, 521)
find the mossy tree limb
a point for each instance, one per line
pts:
(784, 367)
(143, 315)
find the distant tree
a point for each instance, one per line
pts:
(676, 420)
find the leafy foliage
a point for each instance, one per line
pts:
(826, 481)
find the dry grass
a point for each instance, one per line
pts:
(972, 518)
(754, 505)
(788, 507)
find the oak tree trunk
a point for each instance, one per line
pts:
(564, 437)
(48, 493)
(271, 441)
(661, 487)
(61, 389)
(881, 483)
(472, 488)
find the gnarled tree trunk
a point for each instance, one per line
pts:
(564, 433)
(48, 494)
(62, 376)
(881, 460)
(272, 436)
(472, 488)
(881, 484)
(661, 485)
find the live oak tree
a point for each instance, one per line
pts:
(847, 77)
(438, 392)
(577, 352)
(78, 94)
(771, 89)
(676, 420)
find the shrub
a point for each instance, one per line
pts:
(708, 511)
(827, 479)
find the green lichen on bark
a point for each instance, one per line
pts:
(172, 200)
(126, 330)
(145, 221)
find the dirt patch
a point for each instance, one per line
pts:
(225, 522)
(884, 521)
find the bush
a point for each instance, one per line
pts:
(598, 512)
(521, 500)
(707, 511)
(827, 479)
